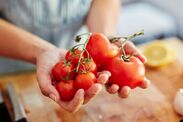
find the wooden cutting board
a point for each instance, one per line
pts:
(151, 105)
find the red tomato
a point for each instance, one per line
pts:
(126, 73)
(88, 66)
(100, 49)
(63, 71)
(85, 81)
(66, 90)
(73, 56)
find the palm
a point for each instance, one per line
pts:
(45, 62)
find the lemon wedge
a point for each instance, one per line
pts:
(158, 54)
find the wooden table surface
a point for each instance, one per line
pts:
(151, 105)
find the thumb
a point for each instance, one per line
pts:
(47, 89)
(50, 92)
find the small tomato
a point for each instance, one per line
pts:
(87, 65)
(73, 56)
(66, 90)
(85, 81)
(63, 70)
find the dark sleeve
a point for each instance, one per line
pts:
(1, 13)
(1, 10)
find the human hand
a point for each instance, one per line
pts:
(45, 62)
(124, 92)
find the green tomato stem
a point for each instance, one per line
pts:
(81, 54)
(123, 41)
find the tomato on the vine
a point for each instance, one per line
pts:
(85, 81)
(126, 73)
(63, 70)
(87, 65)
(100, 49)
(66, 90)
(73, 56)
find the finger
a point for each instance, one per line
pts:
(102, 78)
(124, 92)
(47, 89)
(130, 49)
(113, 89)
(92, 92)
(75, 103)
(104, 72)
(145, 83)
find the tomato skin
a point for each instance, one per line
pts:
(73, 56)
(88, 66)
(126, 73)
(85, 81)
(63, 71)
(66, 90)
(100, 49)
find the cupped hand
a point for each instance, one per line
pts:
(45, 62)
(124, 92)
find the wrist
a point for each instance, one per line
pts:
(110, 33)
(107, 31)
(40, 47)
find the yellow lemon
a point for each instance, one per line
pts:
(158, 53)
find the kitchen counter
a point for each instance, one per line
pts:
(151, 105)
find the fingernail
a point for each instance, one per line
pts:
(148, 82)
(81, 91)
(81, 94)
(145, 59)
(126, 91)
(108, 73)
(53, 97)
(102, 79)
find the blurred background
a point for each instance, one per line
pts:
(159, 19)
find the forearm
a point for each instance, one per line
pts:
(103, 16)
(19, 44)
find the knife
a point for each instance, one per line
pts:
(18, 110)
(4, 115)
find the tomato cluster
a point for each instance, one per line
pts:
(76, 71)
(125, 70)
